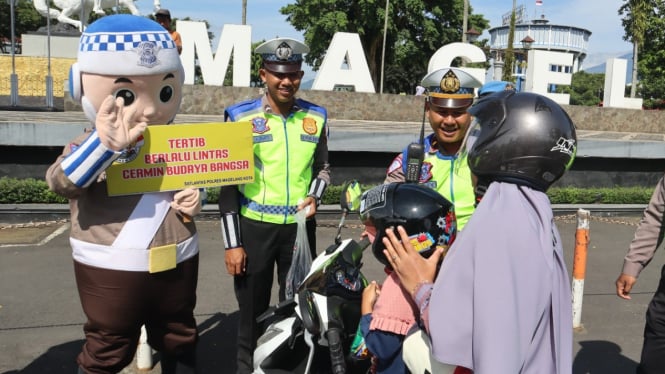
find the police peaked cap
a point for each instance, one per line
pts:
(282, 55)
(450, 88)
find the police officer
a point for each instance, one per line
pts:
(291, 173)
(450, 92)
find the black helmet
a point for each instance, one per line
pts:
(523, 138)
(427, 216)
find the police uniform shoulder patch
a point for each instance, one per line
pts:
(426, 172)
(309, 125)
(396, 164)
(260, 125)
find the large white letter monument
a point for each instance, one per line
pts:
(345, 64)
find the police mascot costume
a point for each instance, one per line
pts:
(136, 256)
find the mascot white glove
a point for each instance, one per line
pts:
(114, 124)
(187, 201)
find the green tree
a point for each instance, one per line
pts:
(256, 62)
(636, 14)
(416, 29)
(585, 89)
(651, 68)
(26, 19)
(509, 57)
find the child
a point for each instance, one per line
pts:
(388, 313)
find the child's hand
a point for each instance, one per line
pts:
(370, 295)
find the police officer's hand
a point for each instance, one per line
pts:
(624, 285)
(115, 125)
(236, 261)
(308, 203)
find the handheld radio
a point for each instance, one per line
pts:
(415, 154)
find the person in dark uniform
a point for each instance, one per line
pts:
(648, 237)
(291, 174)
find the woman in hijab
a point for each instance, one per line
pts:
(501, 302)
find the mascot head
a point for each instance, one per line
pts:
(130, 57)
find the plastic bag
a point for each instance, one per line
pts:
(302, 258)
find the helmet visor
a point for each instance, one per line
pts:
(470, 137)
(374, 198)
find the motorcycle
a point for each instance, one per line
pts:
(313, 331)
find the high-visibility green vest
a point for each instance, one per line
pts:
(451, 177)
(283, 158)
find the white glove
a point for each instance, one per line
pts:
(115, 125)
(187, 201)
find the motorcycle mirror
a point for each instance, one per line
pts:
(350, 196)
(349, 200)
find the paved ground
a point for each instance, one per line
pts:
(41, 318)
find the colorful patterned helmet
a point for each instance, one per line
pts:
(426, 215)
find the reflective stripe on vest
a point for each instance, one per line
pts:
(270, 209)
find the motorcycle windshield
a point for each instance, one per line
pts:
(335, 276)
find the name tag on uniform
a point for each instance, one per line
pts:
(309, 138)
(262, 138)
(162, 258)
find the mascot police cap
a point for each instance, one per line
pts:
(127, 45)
(450, 88)
(282, 55)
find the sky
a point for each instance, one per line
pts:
(598, 16)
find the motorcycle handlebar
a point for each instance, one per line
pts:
(337, 361)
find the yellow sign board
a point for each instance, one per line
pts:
(174, 157)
